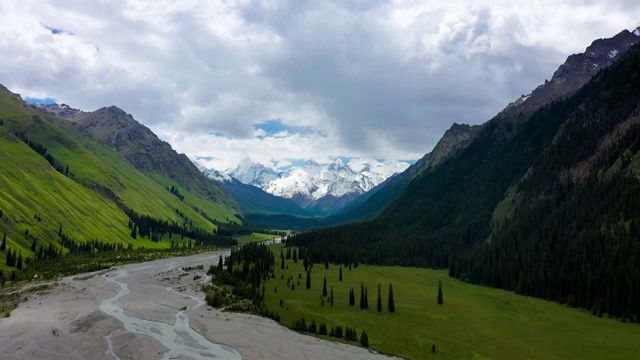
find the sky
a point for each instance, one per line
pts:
(283, 81)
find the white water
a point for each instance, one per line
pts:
(179, 338)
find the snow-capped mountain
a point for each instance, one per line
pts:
(310, 182)
(251, 172)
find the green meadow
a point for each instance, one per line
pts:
(474, 322)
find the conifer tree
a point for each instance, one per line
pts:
(134, 232)
(295, 256)
(361, 296)
(33, 245)
(1, 214)
(308, 279)
(364, 339)
(391, 304)
(324, 287)
(3, 247)
(352, 298)
(220, 264)
(440, 298)
(9, 260)
(340, 277)
(19, 262)
(282, 262)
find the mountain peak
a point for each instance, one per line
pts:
(575, 72)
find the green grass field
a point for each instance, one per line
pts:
(475, 322)
(255, 237)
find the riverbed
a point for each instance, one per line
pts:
(152, 310)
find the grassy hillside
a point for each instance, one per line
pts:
(65, 178)
(474, 322)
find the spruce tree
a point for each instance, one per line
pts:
(391, 305)
(361, 296)
(19, 262)
(352, 298)
(220, 264)
(364, 339)
(3, 247)
(9, 261)
(33, 245)
(308, 279)
(440, 298)
(324, 287)
(379, 305)
(1, 214)
(282, 262)
(134, 231)
(340, 277)
(295, 256)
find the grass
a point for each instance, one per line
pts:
(30, 186)
(255, 237)
(475, 322)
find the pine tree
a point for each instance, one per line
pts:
(379, 305)
(364, 339)
(324, 287)
(295, 256)
(308, 279)
(391, 305)
(361, 296)
(352, 298)
(134, 232)
(433, 348)
(33, 245)
(220, 264)
(19, 262)
(440, 298)
(3, 247)
(340, 277)
(282, 262)
(1, 214)
(9, 261)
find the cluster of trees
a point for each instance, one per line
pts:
(338, 331)
(42, 151)
(154, 228)
(543, 204)
(176, 192)
(244, 272)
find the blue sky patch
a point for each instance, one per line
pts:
(272, 127)
(45, 101)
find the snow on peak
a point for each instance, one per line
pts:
(251, 172)
(313, 181)
(636, 32)
(217, 175)
(613, 53)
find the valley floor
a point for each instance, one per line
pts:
(151, 310)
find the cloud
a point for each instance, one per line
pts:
(284, 80)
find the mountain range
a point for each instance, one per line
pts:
(541, 200)
(319, 189)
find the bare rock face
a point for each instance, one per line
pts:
(64, 111)
(577, 70)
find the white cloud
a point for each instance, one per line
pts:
(369, 78)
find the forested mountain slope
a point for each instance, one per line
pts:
(548, 205)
